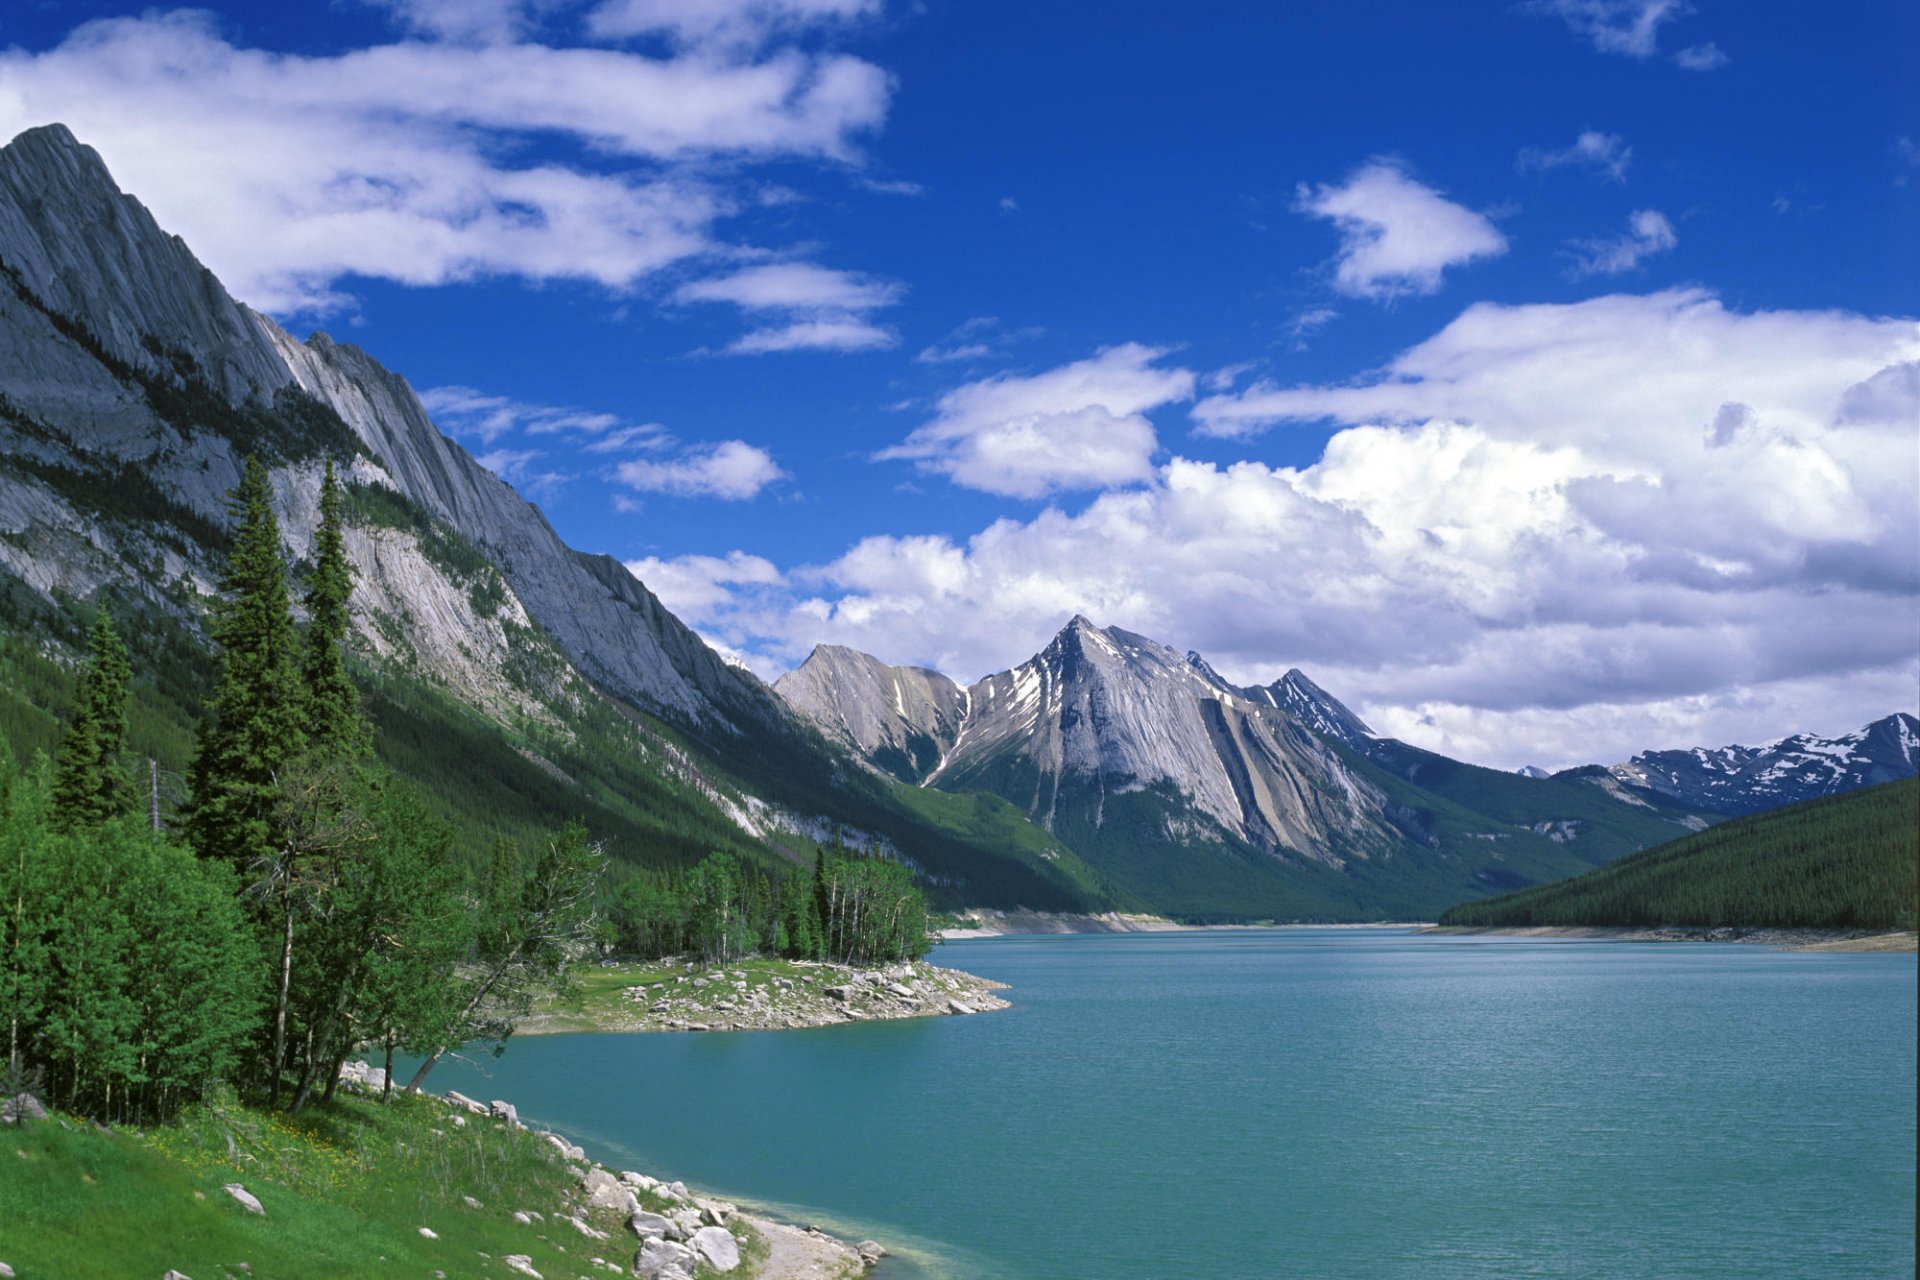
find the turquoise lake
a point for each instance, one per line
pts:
(1303, 1103)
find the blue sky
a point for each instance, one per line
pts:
(1541, 377)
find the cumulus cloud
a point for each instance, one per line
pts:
(827, 308)
(692, 585)
(1648, 233)
(1080, 426)
(1606, 154)
(1546, 534)
(733, 470)
(414, 161)
(1397, 235)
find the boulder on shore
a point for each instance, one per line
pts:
(656, 1256)
(718, 1247)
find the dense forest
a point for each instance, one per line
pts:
(1845, 862)
(307, 903)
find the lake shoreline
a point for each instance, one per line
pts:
(1027, 924)
(760, 994)
(1830, 940)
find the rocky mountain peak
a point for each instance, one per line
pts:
(92, 253)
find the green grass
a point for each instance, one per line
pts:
(346, 1187)
(1845, 862)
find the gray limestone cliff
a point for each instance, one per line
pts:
(118, 351)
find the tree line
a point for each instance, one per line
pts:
(313, 903)
(852, 909)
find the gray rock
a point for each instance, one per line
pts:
(870, 1251)
(6, 1272)
(604, 1191)
(505, 1111)
(171, 1274)
(649, 1226)
(20, 1108)
(842, 993)
(959, 1006)
(522, 1263)
(245, 1197)
(428, 1233)
(462, 1100)
(718, 1247)
(657, 1255)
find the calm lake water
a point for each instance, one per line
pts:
(1304, 1103)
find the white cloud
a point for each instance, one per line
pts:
(827, 308)
(1080, 426)
(1648, 233)
(723, 22)
(1631, 28)
(1547, 534)
(975, 339)
(733, 470)
(483, 416)
(847, 334)
(1702, 57)
(1397, 236)
(481, 20)
(515, 466)
(793, 286)
(692, 585)
(1606, 154)
(1307, 323)
(409, 161)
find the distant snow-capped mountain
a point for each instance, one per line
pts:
(1736, 780)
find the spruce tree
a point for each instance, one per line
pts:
(335, 727)
(253, 723)
(90, 781)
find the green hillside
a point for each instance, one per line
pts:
(1845, 862)
(599, 763)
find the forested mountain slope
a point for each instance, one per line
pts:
(1842, 862)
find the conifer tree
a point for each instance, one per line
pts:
(90, 783)
(252, 727)
(335, 727)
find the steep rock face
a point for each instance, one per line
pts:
(1314, 707)
(904, 719)
(1736, 780)
(104, 307)
(1102, 713)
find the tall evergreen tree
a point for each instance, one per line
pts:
(90, 784)
(253, 724)
(335, 725)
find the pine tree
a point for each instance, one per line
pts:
(335, 726)
(90, 781)
(252, 727)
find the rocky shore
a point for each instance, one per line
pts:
(1000, 924)
(763, 995)
(673, 1233)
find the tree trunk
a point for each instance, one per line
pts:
(280, 1008)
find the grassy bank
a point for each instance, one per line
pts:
(346, 1188)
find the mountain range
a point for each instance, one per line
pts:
(519, 681)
